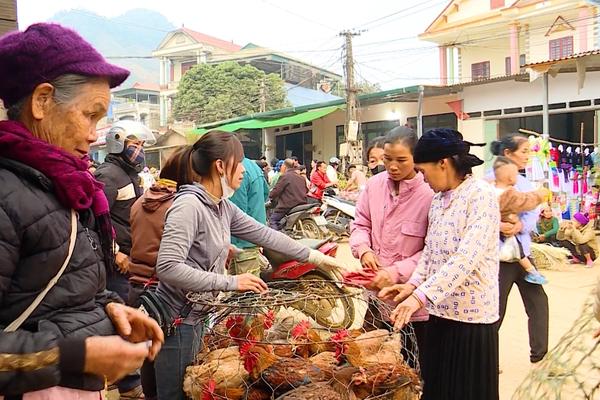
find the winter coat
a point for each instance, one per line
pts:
(319, 182)
(393, 226)
(147, 224)
(289, 192)
(251, 197)
(584, 235)
(34, 240)
(122, 186)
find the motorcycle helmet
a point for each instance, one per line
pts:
(334, 160)
(122, 130)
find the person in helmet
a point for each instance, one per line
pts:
(332, 170)
(122, 186)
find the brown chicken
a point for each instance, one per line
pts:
(325, 362)
(222, 374)
(374, 348)
(279, 374)
(313, 391)
(308, 341)
(360, 383)
(249, 327)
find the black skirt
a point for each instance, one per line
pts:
(461, 361)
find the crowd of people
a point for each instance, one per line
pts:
(83, 251)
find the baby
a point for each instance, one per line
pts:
(513, 202)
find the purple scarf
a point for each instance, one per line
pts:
(74, 186)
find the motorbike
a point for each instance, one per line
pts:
(331, 308)
(305, 221)
(338, 213)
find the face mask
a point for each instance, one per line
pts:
(379, 168)
(134, 154)
(227, 190)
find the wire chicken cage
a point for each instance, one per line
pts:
(571, 369)
(270, 346)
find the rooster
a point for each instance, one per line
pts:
(242, 328)
(280, 374)
(307, 341)
(221, 375)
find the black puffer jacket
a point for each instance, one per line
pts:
(34, 238)
(122, 188)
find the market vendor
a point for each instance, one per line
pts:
(547, 227)
(579, 237)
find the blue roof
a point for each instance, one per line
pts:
(300, 96)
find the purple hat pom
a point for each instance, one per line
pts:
(42, 53)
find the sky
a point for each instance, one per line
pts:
(386, 52)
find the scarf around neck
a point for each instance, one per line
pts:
(74, 186)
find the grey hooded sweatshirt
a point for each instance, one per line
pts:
(195, 244)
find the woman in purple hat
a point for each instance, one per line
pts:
(63, 334)
(579, 236)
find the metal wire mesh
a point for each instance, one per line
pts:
(571, 370)
(303, 340)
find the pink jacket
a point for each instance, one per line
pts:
(393, 227)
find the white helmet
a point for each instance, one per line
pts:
(334, 160)
(122, 130)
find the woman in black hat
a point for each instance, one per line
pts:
(457, 274)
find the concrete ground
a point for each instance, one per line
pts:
(567, 291)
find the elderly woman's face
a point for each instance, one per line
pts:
(72, 126)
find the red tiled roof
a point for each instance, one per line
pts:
(155, 87)
(213, 41)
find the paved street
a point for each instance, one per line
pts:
(567, 291)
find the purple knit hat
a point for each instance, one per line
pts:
(44, 52)
(581, 218)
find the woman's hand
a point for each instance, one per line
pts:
(396, 293)
(250, 282)
(369, 261)
(509, 229)
(135, 326)
(403, 311)
(382, 280)
(112, 357)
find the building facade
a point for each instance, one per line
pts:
(183, 48)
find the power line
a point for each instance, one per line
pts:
(298, 15)
(396, 13)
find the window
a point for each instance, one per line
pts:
(186, 66)
(562, 47)
(447, 120)
(367, 131)
(496, 4)
(522, 60)
(480, 71)
(565, 126)
(507, 66)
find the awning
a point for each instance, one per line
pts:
(270, 123)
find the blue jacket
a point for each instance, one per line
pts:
(251, 198)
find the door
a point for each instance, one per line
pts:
(297, 144)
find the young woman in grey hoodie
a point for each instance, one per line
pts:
(195, 245)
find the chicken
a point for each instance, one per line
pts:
(280, 330)
(258, 393)
(325, 362)
(279, 374)
(313, 391)
(221, 374)
(361, 383)
(308, 342)
(251, 328)
(374, 348)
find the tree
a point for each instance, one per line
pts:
(213, 92)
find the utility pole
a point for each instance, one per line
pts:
(351, 125)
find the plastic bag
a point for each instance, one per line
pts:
(509, 250)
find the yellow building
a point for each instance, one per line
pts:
(483, 39)
(487, 49)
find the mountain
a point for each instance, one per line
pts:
(135, 33)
